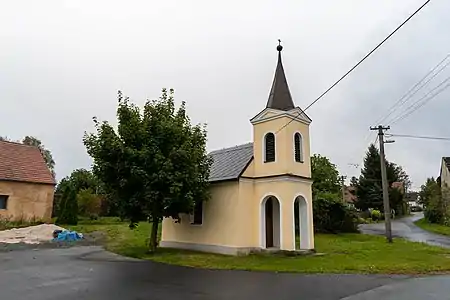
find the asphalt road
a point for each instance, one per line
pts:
(91, 273)
(405, 228)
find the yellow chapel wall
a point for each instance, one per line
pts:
(284, 147)
(220, 226)
(252, 194)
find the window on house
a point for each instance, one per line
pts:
(298, 147)
(269, 142)
(197, 214)
(3, 201)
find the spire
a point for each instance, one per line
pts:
(280, 96)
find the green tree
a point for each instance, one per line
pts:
(89, 203)
(80, 179)
(155, 163)
(430, 196)
(369, 190)
(325, 176)
(68, 210)
(32, 141)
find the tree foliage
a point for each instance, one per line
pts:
(90, 192)
(33, 141)
(325, 176)
(80, 179)
(431, 196)
(68, 209)
(330, 213)
(155, 163)
(89, 203)
(369, 185)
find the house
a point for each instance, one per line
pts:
(412, 199)
(445, 174)
(399, 185)
(255, 187)
(26, 183)
(349, 195)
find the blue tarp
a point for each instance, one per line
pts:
(68, 236)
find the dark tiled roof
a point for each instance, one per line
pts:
(25, 163)
(229, 163)
(280, 96)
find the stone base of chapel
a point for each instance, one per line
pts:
(229, 250)
(219, 249)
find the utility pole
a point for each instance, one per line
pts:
(343, 187)
(384, 182)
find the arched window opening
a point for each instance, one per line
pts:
(298, 147)
(269, 141)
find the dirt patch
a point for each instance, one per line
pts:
(29, 235)
(95, 238)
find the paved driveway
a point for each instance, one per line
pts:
(406, 228)
(88, 272)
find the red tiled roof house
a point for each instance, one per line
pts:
(26, 184)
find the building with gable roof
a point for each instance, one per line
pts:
(26, 184)
(256, 188)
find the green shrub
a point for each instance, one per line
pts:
(375, 215)
(333, 216)
(89, 204)
(68, 208)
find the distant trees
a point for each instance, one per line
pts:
(68, 209)
(331, 214)
(435, 201)
(369, 185)
(91, 198)
(325, 177)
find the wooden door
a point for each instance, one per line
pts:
(269, 223)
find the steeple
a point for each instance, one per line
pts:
(280, 97)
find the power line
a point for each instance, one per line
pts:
(419, 137)
(405, 97)
(418, 104)
(355, 66)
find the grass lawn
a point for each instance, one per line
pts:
(436, 228)
(345, 253)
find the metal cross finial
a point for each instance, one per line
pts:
(279, 47)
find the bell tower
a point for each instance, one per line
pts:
(281, 132)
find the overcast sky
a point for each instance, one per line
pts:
(62, 62)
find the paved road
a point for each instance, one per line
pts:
(405, 228)
(93, 274)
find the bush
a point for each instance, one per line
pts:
(89, 204)
(333, 216)
(433, 215)
(68, 208)
(375, 215)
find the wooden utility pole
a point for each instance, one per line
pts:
(343, 187)
(384, 182)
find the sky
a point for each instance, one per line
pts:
(62, 63)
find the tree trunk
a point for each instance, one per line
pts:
(153, 243)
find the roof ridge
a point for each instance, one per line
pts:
(18, 143)
(229, 149)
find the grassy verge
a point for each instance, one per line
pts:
(345, 253)
(436, 228)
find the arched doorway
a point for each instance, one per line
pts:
(270, 223)
(301, 229)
